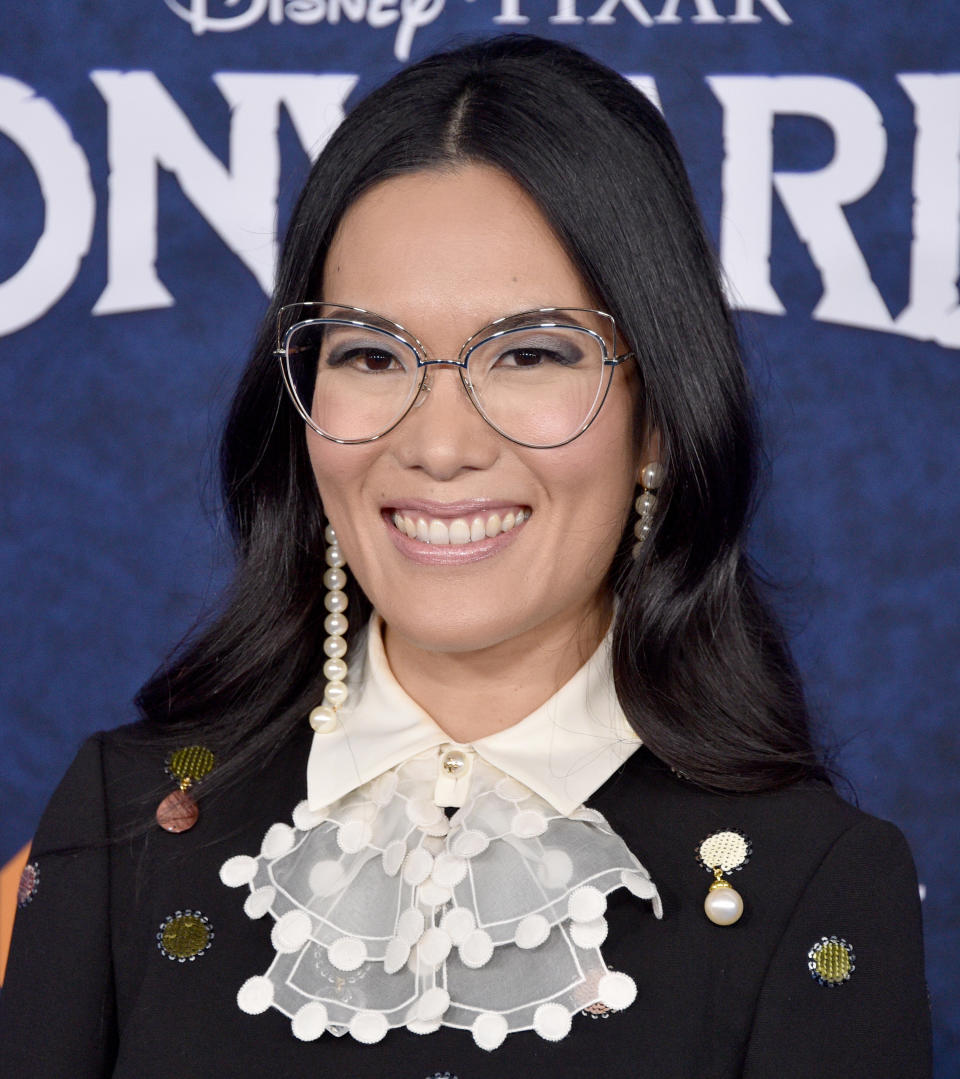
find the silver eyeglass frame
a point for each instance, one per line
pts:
(412, 342)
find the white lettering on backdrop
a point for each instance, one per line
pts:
(745, 11)
(43, 136)
(410, 15)
(814, 200)
(240, 203)
(148, 131)
(934, 307)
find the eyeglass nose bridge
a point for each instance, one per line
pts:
(426, 382)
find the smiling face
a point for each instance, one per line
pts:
(520, 539)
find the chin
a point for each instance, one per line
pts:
(463, 630)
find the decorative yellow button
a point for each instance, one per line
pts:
(185, 935)
(831, 961)
(453, 762)
(191, 763)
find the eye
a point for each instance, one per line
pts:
(532, 356)
(366, 360)
(535, 348)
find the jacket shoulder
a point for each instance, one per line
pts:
(790, 829)
(829, 946)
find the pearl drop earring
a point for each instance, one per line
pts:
(651, 479)
(324, 716)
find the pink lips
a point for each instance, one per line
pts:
(450, 510)
(428, 554)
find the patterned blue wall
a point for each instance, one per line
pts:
(137, 226)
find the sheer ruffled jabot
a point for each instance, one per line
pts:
(387, 913)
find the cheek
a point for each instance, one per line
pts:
(592, 481)
(321, 467)
(339, 473)
(610, 454)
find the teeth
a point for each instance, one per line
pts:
(459, 531)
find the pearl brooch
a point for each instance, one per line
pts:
(724, 904)
(323, 718)
(723, 852)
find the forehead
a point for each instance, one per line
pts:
(448, 250)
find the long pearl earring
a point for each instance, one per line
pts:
(324, 716)
(651, 479)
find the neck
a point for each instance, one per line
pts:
(473, 694)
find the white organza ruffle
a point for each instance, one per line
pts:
(389, 914)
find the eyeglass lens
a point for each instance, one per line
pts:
(537, 384)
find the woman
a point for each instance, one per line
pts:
(506, 485)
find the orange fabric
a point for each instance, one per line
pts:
(9, 879)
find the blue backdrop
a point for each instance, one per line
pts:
(146, 154)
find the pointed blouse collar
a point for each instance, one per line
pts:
(564, 750)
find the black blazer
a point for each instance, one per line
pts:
(90, 994)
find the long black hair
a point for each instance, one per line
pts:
(701, 666)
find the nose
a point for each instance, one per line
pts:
(443, 433)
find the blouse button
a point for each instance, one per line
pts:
(454, 767)
(453, 762)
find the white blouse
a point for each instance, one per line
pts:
(389, 913)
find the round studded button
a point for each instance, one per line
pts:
(28, 884)
(831, 961)
(185, 935)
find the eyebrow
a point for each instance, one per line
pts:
(542, 317)
(364, 318)
(549, 316)
(349, 314)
